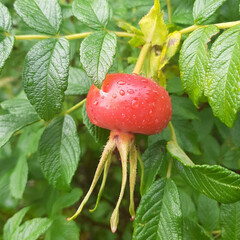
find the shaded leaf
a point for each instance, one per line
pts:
(96, 55)
(44, 16)
(45, 76)
(59, 151)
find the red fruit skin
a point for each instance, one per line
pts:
(129, 103)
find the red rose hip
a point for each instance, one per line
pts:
(129, 103)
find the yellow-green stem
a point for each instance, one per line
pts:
(78, 105)
(172, 131)
(169, 168)
(138, 67)
(32, 37)
(77, 36)
(139, 157)
(169, 11)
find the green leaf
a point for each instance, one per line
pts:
(93, 13)
(222, 86)
(153, 26)
(62, 230)
(230, 221)
(59, 151)
(193, 61)
(11, 123)
(6, 21)
(42, 15)
(192, 230)
(18, 178)
(18, 106)
(152, 159)
(45, 76)
(13, 223)
(159, 214)
(78, 82)
(96, 55)
(204, 9)
(6, 46)
(32, 229)
(99, 134)
(208, 213)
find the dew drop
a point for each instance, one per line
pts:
(95, 103)
(134, 103)
(114, 95)
(144, 80)
(134, 116)
(121, 82)
(123, 115)
(122, 93)
(130, 91)
(150, 112)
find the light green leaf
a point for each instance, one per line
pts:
(96, 55)
(11, 123)
(78, 82)
(18, 106)
(152, 159)
(159, 214)
(223, 76)
(192, 230)
(45, 76)
(153, 26)
(230, 221)
(42, 15)
(93, 13)
(6, 21)
(193, 61)
(62, 230)
(208, 213)
(59, 151)
(204, 9)
(6, 46)
(18, 178)
(99, 134)
(32, 229)
(13, 223)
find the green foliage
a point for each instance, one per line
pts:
(191, 47)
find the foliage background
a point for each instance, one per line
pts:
(201, 135)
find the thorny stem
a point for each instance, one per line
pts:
(106, 152)
(78, 105)
(169, 11)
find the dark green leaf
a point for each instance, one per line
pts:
(78, 82)
(32, 229)
(208, 213)
(19, 176)
(62, 230)
(99, 134)
(192, 230)
(96, 55)
(45, 76)
(44, 16)
(230, 221)
(93, 13)
(159, 214)
(6, 21)
(59, 151)
(11, 123)
(193, 61)
(204, 9)
(6, 46)
(223, 76)
(152, 159)
(13, 223)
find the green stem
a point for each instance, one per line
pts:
(172, 131)
(78, 105)
(169, 11)
(31, 37)
(219, 25)
(169, 168)
(139, 157)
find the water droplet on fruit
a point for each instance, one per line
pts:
(114, 95)
(144, 80)
(94, 121)
(95, 103)
(150, 112)
(156, 120)
(143, 121)
(121, 82)
(123, 115)
(134, 103)
(130, 91)
(122, 93)
(134, 116)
